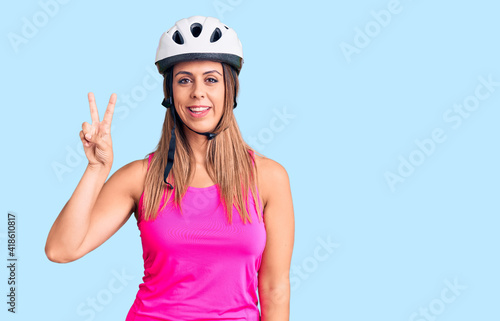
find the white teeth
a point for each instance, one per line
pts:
(199, 108)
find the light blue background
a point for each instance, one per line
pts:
(352, 120)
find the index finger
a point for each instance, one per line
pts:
(93, 108)
(108, 115)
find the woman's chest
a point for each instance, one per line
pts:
(203, 230)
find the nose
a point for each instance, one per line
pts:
(198, 90)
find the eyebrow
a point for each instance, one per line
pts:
(188, 73)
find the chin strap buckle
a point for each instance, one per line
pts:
(167, 103)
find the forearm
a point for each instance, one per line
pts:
(275, 304)
(70, 227)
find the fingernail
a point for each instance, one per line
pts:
(87, 136)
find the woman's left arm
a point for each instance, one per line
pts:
(273, 277)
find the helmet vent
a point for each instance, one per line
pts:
(196, 29)
(215, 35)
(226, 27)
(177, 37)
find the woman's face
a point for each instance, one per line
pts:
(198, 88)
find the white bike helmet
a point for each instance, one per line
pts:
(195, 38)
(199, 38)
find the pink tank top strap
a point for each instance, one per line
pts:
(252, 156)
(149, 158)
(139, 216)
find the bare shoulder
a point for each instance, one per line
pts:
(272, 175)
(270, 167)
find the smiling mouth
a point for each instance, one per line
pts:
(198, 109)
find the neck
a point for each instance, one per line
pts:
(198, 144)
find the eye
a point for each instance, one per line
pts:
(183, 81)
(212, 80)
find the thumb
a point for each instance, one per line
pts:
(86, 138)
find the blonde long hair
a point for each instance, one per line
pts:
(228, 161)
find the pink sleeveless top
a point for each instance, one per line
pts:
(198, 266)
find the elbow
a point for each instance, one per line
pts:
(55, 257)
(278, 294)
(52, 256)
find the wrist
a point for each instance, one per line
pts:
(99, 167)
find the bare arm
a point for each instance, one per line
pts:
(70, 227)
(96, 210)
(274, 281)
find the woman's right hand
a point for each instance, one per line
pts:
(96, 137)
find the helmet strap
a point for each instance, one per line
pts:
(169, 104)
(234, 79)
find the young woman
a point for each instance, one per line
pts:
(216, 219)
